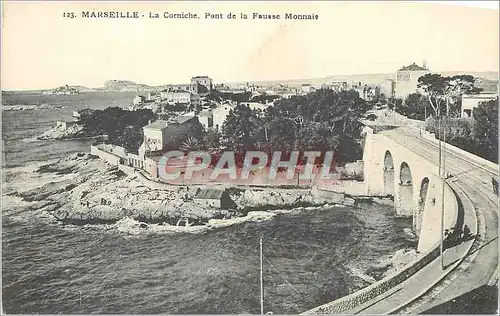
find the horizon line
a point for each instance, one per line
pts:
(251, 81)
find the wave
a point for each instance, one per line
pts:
(13, 202)
(30, 140)
(24, 178)
(30, 107)
(131, 226)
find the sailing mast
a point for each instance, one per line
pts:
(261, 281)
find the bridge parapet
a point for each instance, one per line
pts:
(410, 172)
(490, 166)
(355, 300)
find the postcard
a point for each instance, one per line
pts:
(234, 157)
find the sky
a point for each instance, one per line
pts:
(41, 49)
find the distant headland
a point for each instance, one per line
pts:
(486, 77)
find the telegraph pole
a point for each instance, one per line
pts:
(442, 189)
(261, 281)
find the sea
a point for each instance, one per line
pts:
(310, 257)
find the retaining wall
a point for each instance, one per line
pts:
(351, 301)
(126, 169)
(106, 156)
(350, 187)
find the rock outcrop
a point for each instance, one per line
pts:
(63, 132)
(93, 192)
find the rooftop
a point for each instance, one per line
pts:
(205, 113)
(184, 117)
(412, 67)
(209, 194)
(157, 125)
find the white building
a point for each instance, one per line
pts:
(153, 96)
(138, 99)
(204, 81)
(336, 86)
(388, 87)
(306, 88)
(220, 114)
(407, 79)
(180, 96)
(154, 135)
(206, 119)
(470, 102)
(257, 105)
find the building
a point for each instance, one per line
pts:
(216, 198)
(154, 136)
(470, 102)
(407, 79)
(162, 134)
(306, 88)
(336, 86)
(154, 96)
(65, 125)
(388, 88)
(138, 99)
(257, 106)
(220, 114)
(185, 87)
(260, 108)
(206, 119)
(201, 84)
(176, 96)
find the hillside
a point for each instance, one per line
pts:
(371, 79)
(125, 85)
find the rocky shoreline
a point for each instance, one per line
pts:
(60, 132)
(86, 192)
(93, 192)
(74, 132)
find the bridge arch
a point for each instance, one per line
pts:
(419, 212)
(405, 186)
(388, 173)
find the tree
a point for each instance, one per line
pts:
(190, 144)
(316, 136)
(211, 140)
(434, 87)
(486, 129)
(123, 127)
(281, 134)
(240, 128)
(444, 92)
(414, 106)
(393, 103)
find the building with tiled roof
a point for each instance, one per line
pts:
(407, 79)
(412, 67)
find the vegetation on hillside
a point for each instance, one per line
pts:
(123, 127)
(323, 120)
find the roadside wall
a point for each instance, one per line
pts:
(106, 156)
(351, 301)
(491, 166)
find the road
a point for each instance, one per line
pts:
(475, 181)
